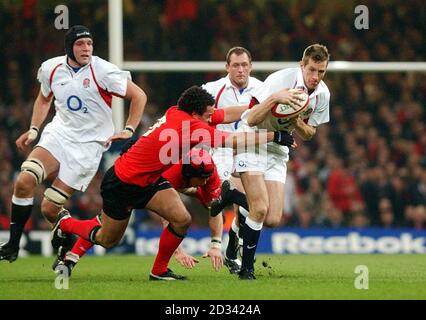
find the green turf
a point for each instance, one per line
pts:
(278, 277)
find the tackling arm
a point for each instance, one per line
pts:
(242, 139)
(233, 113)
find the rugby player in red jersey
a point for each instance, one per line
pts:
(135, 181)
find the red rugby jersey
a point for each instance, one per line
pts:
(163, 145)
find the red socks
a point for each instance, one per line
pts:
(81, 246)
(169, 241)
(81, 228)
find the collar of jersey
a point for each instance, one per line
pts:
(81, 68)
(228, 84)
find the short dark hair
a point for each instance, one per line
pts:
(195, 99)
(238, 51)
(316, 52)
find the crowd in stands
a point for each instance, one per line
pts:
(367, 167)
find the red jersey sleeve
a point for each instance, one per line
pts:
(217, 117)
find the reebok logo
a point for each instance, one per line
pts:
(353, 242)
(84, 33)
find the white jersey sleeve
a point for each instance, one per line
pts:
(44, 74)
(111, 78)
(44, 82)
(321, 113)
(214, 87)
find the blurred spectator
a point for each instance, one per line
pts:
(416, 216)
(387, 216)
(342, 187)
(334, 217)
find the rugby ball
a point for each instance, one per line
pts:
(286, 111)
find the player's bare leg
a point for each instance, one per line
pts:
(276, 203)
(110, 232)
(50, 209)
(39, 164)
(107, 235)
(53, 202)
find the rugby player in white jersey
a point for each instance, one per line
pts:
(263, 173)
(235, 88)
(72, 144)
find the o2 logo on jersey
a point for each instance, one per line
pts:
(74, 103)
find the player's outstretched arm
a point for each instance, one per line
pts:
(243, 139)
(215, 250)
(233, 113)
(184, 259)
(40, 111)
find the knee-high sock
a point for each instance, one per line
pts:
(251, 234)
(82, 228)
(232, 248)
(169, 241)
(21, 212)
(242, 215)
(81, 247)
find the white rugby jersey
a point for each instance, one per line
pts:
(227, 95)
(82, 99)
(317, 111)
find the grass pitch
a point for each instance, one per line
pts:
(279, 277)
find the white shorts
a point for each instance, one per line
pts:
(224, 161)
(78, 162)
(273, 166)
(269, 159)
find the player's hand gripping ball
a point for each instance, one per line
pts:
(287, 111)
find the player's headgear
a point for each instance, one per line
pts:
(73, 34)
(197, 164)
